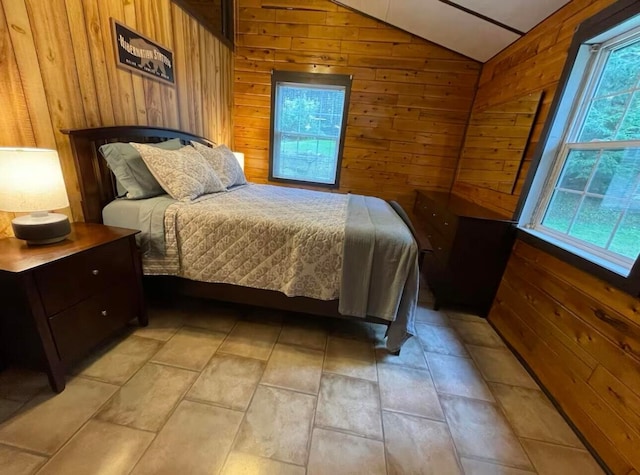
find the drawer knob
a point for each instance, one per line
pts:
(439, 249)
(434, 214)
(446, 224)
(95, 271)
(104, 313)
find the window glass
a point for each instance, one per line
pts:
(581, 198)
(593, 204)
(597, 200)
(561, 211)
(307, 130)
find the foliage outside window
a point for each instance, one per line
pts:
(591, 200)
(308, 121)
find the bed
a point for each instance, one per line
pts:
(293, 249)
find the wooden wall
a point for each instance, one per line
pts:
(582, 339)
(496, 139)
(410, 99)
(579, 335)
(531, 65)
(59, 72)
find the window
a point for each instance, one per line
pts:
(585, 195)
(215, 15)
(308, 119)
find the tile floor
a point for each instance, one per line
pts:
(209, 388)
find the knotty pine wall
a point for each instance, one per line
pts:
(410, 99)
(533, 64)
(58, 69)
(579, 335)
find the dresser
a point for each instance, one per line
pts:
(470, 248)
(60, 300)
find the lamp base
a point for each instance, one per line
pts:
(41, 228)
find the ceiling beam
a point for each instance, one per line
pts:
(482, 17)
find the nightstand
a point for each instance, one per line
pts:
(59, 301)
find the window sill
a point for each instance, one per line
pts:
(313, 184)
(617, 276)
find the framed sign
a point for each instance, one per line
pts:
(135, 52)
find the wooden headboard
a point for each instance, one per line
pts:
(97, 184)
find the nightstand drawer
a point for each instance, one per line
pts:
(53, 301)
(66, 282)
(87, 323)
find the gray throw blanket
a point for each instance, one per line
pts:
(151, 218)
(379, 268)
(146, 215)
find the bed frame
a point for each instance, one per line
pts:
(97, 187)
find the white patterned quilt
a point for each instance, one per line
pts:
(262, 236)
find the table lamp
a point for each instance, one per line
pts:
(240, 157)
(31, 181)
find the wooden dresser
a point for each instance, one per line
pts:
(60, 300)
(471, 246)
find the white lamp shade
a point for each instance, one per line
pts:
(31, 180)
(240, 158)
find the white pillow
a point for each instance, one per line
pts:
(224, 163)
(184, 173)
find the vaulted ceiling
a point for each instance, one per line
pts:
(478, 29)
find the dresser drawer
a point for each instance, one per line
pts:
(439, 242)
(470, 249)
(81, 327)
(446, 224)
(441, 246)
(66, 282)
(436, 273)
(423, 206)
(435, 216)
(442, 222)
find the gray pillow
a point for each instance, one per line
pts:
(130, 170)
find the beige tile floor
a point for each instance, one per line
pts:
(209, 388)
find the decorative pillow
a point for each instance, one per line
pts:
(133, 178)
(184, 173)
(224, 163)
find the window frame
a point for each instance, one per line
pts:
(547, 165)
(283, 76)
(226, 31)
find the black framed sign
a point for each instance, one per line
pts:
(135, 52)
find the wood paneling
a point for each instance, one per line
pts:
(410, 99)
(494, 144)
(582, 340)
(531, 65)
(579, 335)
(59, 72)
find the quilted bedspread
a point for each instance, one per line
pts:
(267, 237)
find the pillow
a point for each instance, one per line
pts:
(130, 170)
(184, 173)
(224, 163)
